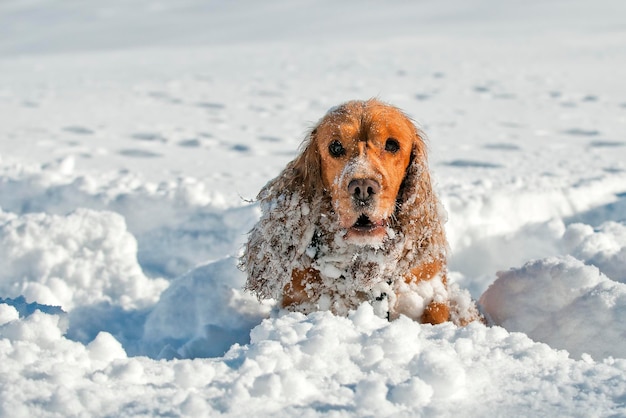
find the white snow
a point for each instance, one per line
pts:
(568, 305)
(134, 134)
(80, 259)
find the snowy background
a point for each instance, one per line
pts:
(133, 135)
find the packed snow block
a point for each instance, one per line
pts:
(562, 302)
(203, 313)
(84, 258)
(105, 349)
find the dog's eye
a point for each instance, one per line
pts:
(336, 149)
(392, 145)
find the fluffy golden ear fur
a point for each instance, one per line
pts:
(354, 218)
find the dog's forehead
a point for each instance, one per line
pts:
(357, 118)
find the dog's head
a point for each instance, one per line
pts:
(360, 153)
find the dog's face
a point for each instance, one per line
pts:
(365, 149)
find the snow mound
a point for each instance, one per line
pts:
(203, 313)
(305, 365)
(562, 302)
(505, 225)
(33, 349)
(365, 365)
(178, 224)
(497, 211)
(84, 258)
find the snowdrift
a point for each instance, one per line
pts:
(249, 357)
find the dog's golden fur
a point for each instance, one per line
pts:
(354, 218)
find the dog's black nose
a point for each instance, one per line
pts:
(362, 190)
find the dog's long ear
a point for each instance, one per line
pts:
(302, 175)
(419, 212)
(416, 183)
(289, 207)
(307, 167)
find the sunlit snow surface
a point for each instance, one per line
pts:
(133, 136)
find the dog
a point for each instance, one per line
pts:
(352, 219)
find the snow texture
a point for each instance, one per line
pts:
(570, 305)
(83, 258)
(134, 134)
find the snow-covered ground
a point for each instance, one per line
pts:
(133, 136)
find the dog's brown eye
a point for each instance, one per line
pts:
(336, 149)
(392, 145)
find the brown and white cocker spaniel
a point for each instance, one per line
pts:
(354, 218)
